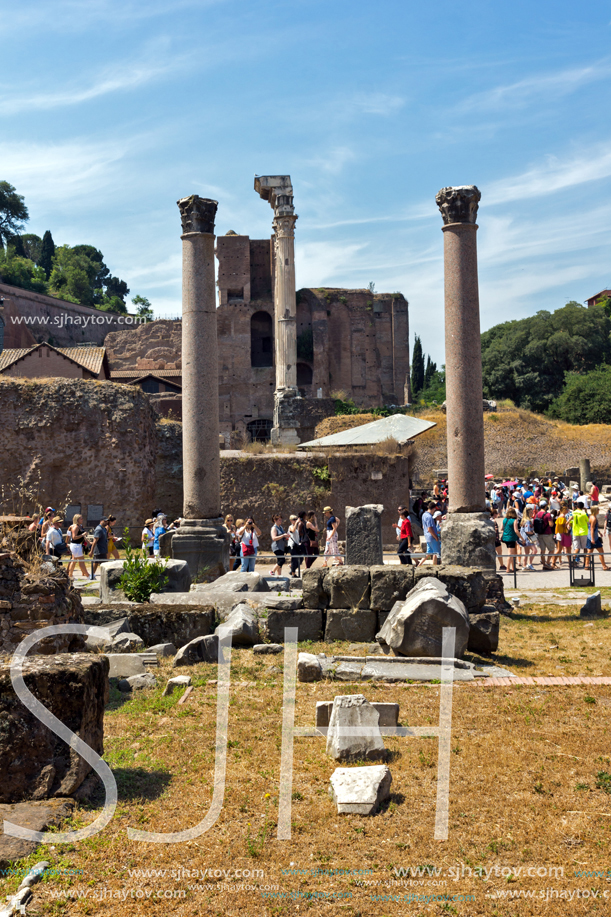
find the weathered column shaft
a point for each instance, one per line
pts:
(285, 304)
(200, 388)
(464, 398)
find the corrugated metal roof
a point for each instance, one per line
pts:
(90, 358)
(11, 355)
(401, 427)
(139, 373)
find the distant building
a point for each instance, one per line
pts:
(44, 361)
(604, 294)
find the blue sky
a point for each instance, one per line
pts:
(111, 110)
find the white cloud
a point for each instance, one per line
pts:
(554, 175)
(317, 263)
(537, 87)
(113, 80)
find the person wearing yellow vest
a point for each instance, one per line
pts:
(580, 528)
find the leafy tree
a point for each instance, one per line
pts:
(417, 367)
(21, 272)
(98, 269)
(72, 276)
(526, 360)
(116, 287)
(112, 304)
(32, 246)
(434, 390)
(586, 398)
(13, 212)
(144, 308)
(47, 253)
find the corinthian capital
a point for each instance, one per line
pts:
(458, 205)
(197, 213)
(278, 190)
(284, 227)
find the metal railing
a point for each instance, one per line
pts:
(581, 560)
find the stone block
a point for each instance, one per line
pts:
(360, 790)
(179, 579)
(308, 623)
(165, 543)
(122, 665)
(267, 649)
(212, 588)
(467, 540)
(126, 643)
(388, 713)
(34, 763)
(250, 582)
(348, 587)
(280, 583)
(484, 631)
(415, 627)
(347, 671)
(163, 650)
(354, 730)
(243, 625)
(364, 534)
(308, 667)
(466, 583)
(155, 624)
(389, 585)
(390, 671)
(314, 592)
(177, 682)
(593, 607)
(287, 602)
(137, 682)
(202, 649)
(357, 625)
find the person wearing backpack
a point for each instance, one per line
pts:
(544, 530)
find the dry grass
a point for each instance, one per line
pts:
(525, 790)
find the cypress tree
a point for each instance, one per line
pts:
(417, 367)
(429, 372)
(17, 243)
(47, 252)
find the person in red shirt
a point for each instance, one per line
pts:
(405, 538)
(595, 494)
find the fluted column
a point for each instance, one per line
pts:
(468, 534)
(201, 541)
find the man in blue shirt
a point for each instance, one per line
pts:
(431, 533)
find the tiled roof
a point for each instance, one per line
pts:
(90, 358)
(140, 373)
(10, 356)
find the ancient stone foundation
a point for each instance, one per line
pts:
(29, 601)
(34, 762)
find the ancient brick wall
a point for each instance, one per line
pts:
(53, 320)
(79, 442)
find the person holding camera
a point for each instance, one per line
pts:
(249, 535)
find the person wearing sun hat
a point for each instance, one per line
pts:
(148, 537)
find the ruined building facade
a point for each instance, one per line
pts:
(352, 342)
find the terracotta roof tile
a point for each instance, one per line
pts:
(11, 355)
(90, 358)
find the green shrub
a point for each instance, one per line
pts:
(141, 577)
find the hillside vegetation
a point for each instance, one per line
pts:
(516, 442)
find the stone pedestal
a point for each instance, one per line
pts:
(204, 545)
(201, 541)
(584, 473)
(467, 539)
(288, 405)
(364, 534)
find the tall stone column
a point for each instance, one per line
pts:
(468, 533)
(278, 190)
(201, 540)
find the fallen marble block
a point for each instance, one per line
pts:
(309, 667)
(176, 681)
(137, 682)
(354, 730)
(415, 627)
(484, 631)
(593, 607)
(265, 649)
(202, 649)
(360, 790)
(126, 643)
(163, 650)
(122, 665)
(388, 713)
(243, 625)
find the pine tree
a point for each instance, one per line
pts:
(429, 372)
(47, 253)
(17, 246)
(417, 367)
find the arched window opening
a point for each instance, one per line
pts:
(304, 374)
(261, 340)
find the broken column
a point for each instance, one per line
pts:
(468, 533)
(364, 534)
(585, 474)
(278, 190)
(202, 539)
